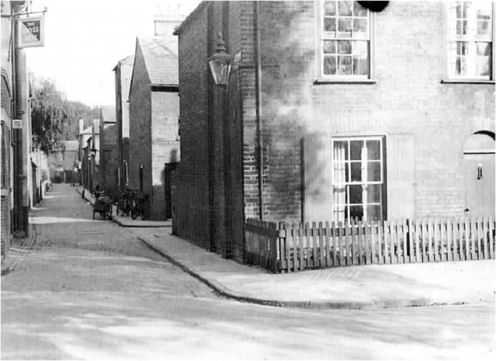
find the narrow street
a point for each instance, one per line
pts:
(89, 289)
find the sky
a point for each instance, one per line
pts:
(84, 39)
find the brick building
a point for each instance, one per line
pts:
(90, 155)
(153, 123)
(15, 142)
(334, 111)
(109, 161)
(123, 71)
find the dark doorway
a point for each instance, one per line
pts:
(478, 169)
(169, 168)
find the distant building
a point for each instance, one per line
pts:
(69, 159)
(334, 112)
(123, 71)
(153, 121)
(109, 160)
(89, 152)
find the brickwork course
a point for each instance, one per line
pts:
(153, 122)
(423, 120)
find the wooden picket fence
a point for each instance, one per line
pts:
(261, 244)
(296, 247)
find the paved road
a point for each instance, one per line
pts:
(90, 290)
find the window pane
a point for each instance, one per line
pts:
(344, 47)
(360, 66)
(483, 59)
(484, 11)
(374, 171)
(466, 5)
(374, 193)
(344, 65)
(356, 149)
(329, 46)
(356, 212)
(374, 213)
(330, 24)
(459, 9)
(360, 48)
(483, 49)
(344, 8)
(330, 8)
(329, 65)
(461, 27)
(359, 10)
(341, 150)
(340, 174)
(356, 192)
(373, 150)
(360, 26)
(360, 60)
(483, 28)
(344, 27)
(461, 66)
(356, 172)
(461, 48)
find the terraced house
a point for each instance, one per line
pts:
(334, 110)
(153, 122)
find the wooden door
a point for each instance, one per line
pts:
(478, 173)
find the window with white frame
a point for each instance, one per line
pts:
(470, 40)
(358, 178)
(344, 44)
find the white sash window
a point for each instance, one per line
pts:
(470, 40)
(344, 45)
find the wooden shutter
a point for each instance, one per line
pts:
(400, 176)
(317, 182)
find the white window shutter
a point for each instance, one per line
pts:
(400, 174)
(317, 182)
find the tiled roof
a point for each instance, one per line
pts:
(161, 62)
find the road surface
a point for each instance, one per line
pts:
(90, 290)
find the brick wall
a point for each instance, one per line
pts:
(110, 159)
(165, 146)
(193, 217)
(408, 104)
(424, 121)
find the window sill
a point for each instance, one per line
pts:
(345, 81)
(467, 81)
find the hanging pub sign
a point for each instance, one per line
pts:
(16, 123)
(31, 32)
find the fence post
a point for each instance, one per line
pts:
(491, 237)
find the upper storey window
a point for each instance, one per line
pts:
(344, 44)
(470, 40)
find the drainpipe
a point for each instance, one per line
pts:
(258, 102)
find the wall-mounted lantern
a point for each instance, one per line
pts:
(220, 63)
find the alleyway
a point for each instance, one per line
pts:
(91, 290)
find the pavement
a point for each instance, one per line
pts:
(369, 286)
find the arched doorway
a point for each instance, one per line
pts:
(478, 169)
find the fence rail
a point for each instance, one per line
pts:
(296, 247)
